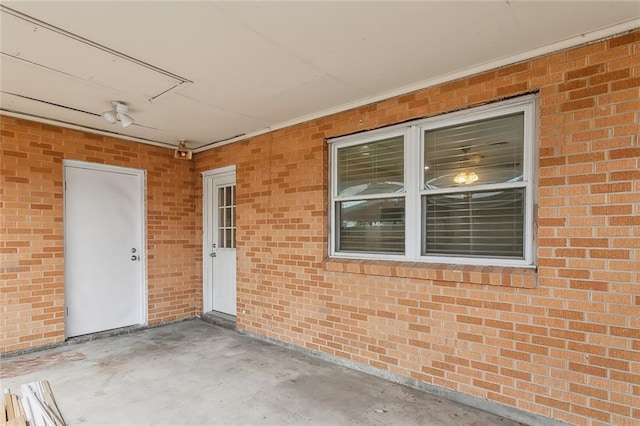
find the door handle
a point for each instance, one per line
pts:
(134, 257)
(212, 255)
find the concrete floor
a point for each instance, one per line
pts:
(193, 373)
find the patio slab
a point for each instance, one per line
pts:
(195, 373)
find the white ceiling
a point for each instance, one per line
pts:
(213, 71)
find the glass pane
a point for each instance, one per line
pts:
(233, 195)
(221, 238)
(220, 196)
(233, 217)
(488, 223)
(375, 226)
(476, 153)
(227, 196)
(227, 220)
(227, 241)
(372, 168)
(221, 223)
(233, 238)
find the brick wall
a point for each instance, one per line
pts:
(563, 342)
(31, 245)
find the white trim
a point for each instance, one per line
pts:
(333, 189)
(207, 177)
(103, 167)
(142, 175)
(374, 136)
(219, 171)
(413, 133)
(381, 196)
(370, 136)
(531, 166)
(582, 39)
(412, 212)
(482, 112)
(93, 131)
(571, 42)
(475, 188)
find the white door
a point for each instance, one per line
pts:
(104, 262)
(220, 242)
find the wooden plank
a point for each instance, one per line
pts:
(18, 421)
(8, 403)
(50, 401)
(3, 416)
(16, 405)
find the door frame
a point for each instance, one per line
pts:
(207, 284)
(142, 174)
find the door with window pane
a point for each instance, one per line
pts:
(220, 252)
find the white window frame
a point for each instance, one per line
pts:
(414, 176)
(370, 137)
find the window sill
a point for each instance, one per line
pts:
(438, 273)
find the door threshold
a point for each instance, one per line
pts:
(220, 319)
(106, 333)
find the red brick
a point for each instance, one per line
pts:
(624, 220)
(588, 92)
(578, 104)
(624, 153)
(609, 76)
(586, 71)
(626, 84)
(552, 402)
(624, 39)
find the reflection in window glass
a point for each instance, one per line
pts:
(477, 153)
(371, 225)
(371, 168)
(488, 223)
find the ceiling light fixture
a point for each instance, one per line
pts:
(182, 152)
(118, 111)
(465, 178)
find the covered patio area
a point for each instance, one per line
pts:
(192, 372)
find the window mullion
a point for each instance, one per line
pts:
(530, 161)
(412, 177)
(475, 188)
(333, 168)
(370, 196)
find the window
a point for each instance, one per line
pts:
(451, 189)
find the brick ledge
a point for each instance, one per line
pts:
(439, 273)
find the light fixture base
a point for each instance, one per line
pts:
(118, 112)
(182, 152)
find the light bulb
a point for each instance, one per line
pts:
(109, 117)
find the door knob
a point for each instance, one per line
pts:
(134, 257)
(212, 255)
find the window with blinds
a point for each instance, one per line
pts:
(487, 223)
(368, 211)
(451, 189)
(462, 221)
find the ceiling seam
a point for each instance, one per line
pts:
(91, 43)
